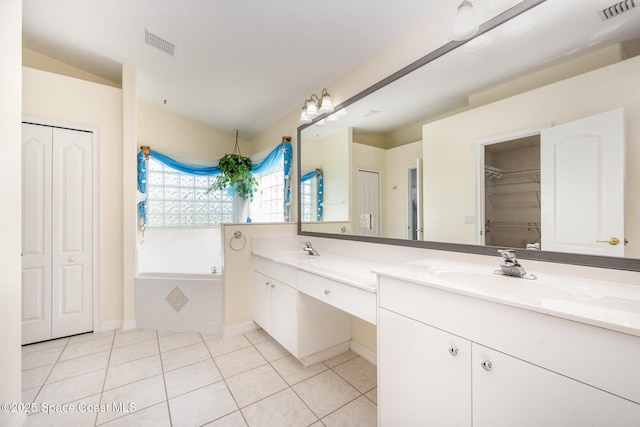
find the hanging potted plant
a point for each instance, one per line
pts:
(235, 172)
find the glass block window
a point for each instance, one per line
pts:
(268, 202)
(309, 200)
(177, 199)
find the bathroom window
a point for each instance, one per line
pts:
(177, 199)
(268, 202)
(308, 200)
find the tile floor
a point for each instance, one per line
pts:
(188, 379)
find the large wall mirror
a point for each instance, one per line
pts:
(526, 136)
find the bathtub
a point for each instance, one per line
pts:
(179, 302)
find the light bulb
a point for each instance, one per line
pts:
(465, 24)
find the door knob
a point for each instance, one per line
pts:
(612, 241)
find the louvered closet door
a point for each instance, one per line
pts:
(57, 227)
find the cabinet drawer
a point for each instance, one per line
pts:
(282, 273)
(357, 302)
(599, 357)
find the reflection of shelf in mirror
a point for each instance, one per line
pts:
(518, 177)
(505, 193)
(530, 226)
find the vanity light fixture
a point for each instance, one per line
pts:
(315, 105)
(465, 24)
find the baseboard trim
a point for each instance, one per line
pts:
(364, 352)
(129, 325)
(110, 325)
(239, 329)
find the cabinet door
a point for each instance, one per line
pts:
(423, 380)
(284, 322)
(512, 392)
(262, 300)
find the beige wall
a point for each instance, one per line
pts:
(56, 97)
(449, 147)
(10, 216)
(182, 138)
(238, 293)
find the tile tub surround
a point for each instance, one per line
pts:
(190, 379)
(179, 302)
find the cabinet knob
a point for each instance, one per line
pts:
(486, 365)
(453, 351)
(273, 285)
(327, 291)
(71, 259)
(267, 283)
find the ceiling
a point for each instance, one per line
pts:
(237, 64)
(557, 31)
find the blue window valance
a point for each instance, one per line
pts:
(282, 154)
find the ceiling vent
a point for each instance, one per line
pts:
(159, 43)
(618, 8)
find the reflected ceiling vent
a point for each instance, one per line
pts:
(159, 43)
(618, 8)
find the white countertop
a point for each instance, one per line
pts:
(608, 305)
(350, 271)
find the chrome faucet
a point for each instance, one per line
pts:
(308, 248)
(510, 265)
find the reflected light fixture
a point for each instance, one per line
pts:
(465, 24)
(316, 105)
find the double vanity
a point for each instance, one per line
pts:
(459, 345)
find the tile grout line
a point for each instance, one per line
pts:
(104, 380)
(164, 380)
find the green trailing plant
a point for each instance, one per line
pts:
(235, 172)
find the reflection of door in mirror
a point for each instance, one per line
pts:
(558, 189)
(512, 193)
(583, 170)
(415, 230)
(368, 203)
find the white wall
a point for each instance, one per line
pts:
(10, 216)
(449, 147)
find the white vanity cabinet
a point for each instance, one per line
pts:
(425, 374)
(275, 309)
(512, 366)
(309, 329)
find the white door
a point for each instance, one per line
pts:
(582, 185)
(420, 213)
(58, 232)
(368, 203)
(36, 233)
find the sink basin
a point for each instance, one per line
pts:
(353, 271)
(511, 287)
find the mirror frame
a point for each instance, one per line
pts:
(618, 263)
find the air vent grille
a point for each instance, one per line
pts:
(159, 43)
(618, 8)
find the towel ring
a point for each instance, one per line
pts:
(237, 235)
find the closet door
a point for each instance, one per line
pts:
(57, 237)
(71, 280)
(36, 232)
